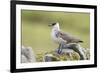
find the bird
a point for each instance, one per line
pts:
(61, 37)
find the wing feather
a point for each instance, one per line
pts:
(68, 38)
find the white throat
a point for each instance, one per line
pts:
(54, 32)
(56, 27)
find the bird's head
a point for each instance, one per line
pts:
(54, 25)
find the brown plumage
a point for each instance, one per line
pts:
(68, 38)
(62, 37)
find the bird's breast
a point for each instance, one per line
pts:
(55, 36)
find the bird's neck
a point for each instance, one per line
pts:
(55, 29)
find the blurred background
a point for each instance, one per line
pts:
(37, 34)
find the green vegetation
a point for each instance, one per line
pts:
(60, 57)
(36, 33)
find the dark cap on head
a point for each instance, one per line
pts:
(52, 24)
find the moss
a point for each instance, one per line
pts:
(39, 57)
(75, 56)
(59, 57)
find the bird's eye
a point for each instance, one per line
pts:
(53, 24)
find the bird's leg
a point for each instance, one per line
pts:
(60, 48)
(59, 45)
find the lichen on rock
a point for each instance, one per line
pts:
(61, 57)
(70, 52)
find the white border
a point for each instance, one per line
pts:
(20, 65)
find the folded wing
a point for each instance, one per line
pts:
(68, 38)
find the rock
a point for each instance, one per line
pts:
(75, 47)
(87, 53)
(23, 59)
(53, 56)
(27, 55)
(49, 57)
(65, 50)
(70, 52)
